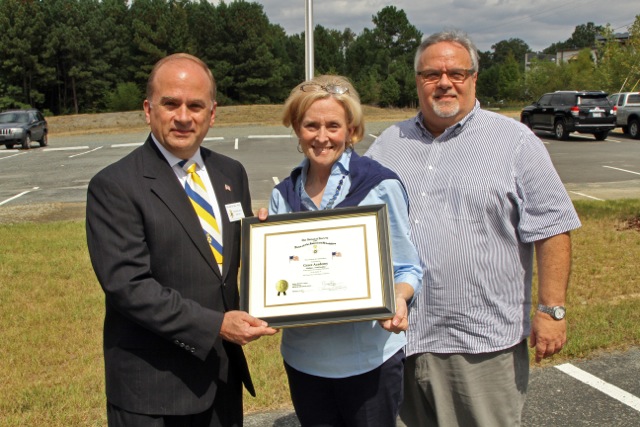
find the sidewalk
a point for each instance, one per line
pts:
(281, 418)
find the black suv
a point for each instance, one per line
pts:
(562, 112)
(22, 127)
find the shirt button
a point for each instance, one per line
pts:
(430, 167)
(423, 194)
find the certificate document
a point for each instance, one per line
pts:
(305, 268)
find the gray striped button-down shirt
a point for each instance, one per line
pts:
(480, 195)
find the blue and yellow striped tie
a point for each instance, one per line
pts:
(200, 200)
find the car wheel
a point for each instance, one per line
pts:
(625, 130)
(26, 142)
(633, 129)
(560, 129)
(44, 141)
(9, 146)
(526, 121)
(601, 136)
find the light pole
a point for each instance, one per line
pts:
(308, 40)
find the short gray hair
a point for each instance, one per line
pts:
(453, 36)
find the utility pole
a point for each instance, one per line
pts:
(308, 40)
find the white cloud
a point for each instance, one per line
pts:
(539, 23)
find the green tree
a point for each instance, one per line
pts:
(116, 49)
(613, 64)
(507, 50)
(246, 55)
(389, 92)
(159, 28)
(584, 35)
(329, 53)
(542, 77)
(76, 38)
(369, 88)
(510, 79)
(21, 52)
(579, 73)
(385, 52)
(126, 97)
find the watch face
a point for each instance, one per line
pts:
(559, 313)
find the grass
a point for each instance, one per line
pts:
(234, 115)
(51, 310)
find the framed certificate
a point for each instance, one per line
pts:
(319, 267)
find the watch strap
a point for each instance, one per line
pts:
(551, 311)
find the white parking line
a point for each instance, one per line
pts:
(587, 196)
(623, 170)
(214, 138)
(604, 387)
(86, 152)
(82, 147)
(12, 155)
(268, 136)
(18, 195)
(276, 181)
(373, 136)
(235, 145)
(130, 144)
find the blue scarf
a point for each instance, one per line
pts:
(364, 173)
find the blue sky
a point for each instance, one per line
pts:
(538, 22)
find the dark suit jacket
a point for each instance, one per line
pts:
(165, 297)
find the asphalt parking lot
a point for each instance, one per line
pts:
(596, 392)
(599, 392)
(596, 170)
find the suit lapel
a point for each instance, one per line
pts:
(166, 186)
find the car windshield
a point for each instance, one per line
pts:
(17, 117)
(593, 101)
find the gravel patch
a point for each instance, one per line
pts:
(42, 212)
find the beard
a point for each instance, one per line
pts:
(446, 110)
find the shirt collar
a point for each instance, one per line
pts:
(456, 127)
(341, 166)
(173, 160)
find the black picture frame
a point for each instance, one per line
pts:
(367, 293)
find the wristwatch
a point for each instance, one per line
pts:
(557, 312)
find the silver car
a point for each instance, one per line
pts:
(22, 127)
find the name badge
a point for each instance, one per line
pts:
(234, 211)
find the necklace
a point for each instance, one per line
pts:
(335, 195)
(333, 198)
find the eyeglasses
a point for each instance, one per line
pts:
(454, 76)
(330, 88)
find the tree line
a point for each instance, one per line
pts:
(86, 56)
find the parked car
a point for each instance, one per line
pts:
(563, 112)
(628, 114)
(23, 126)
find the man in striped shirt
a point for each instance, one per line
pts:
(483, 194)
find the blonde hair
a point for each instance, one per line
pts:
(300, 101)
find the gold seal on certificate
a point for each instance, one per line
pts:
(281, 287)
(318, 267)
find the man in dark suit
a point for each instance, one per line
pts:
(172, 331)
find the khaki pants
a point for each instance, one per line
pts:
(447, 390)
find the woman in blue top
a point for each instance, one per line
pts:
(347, 374)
